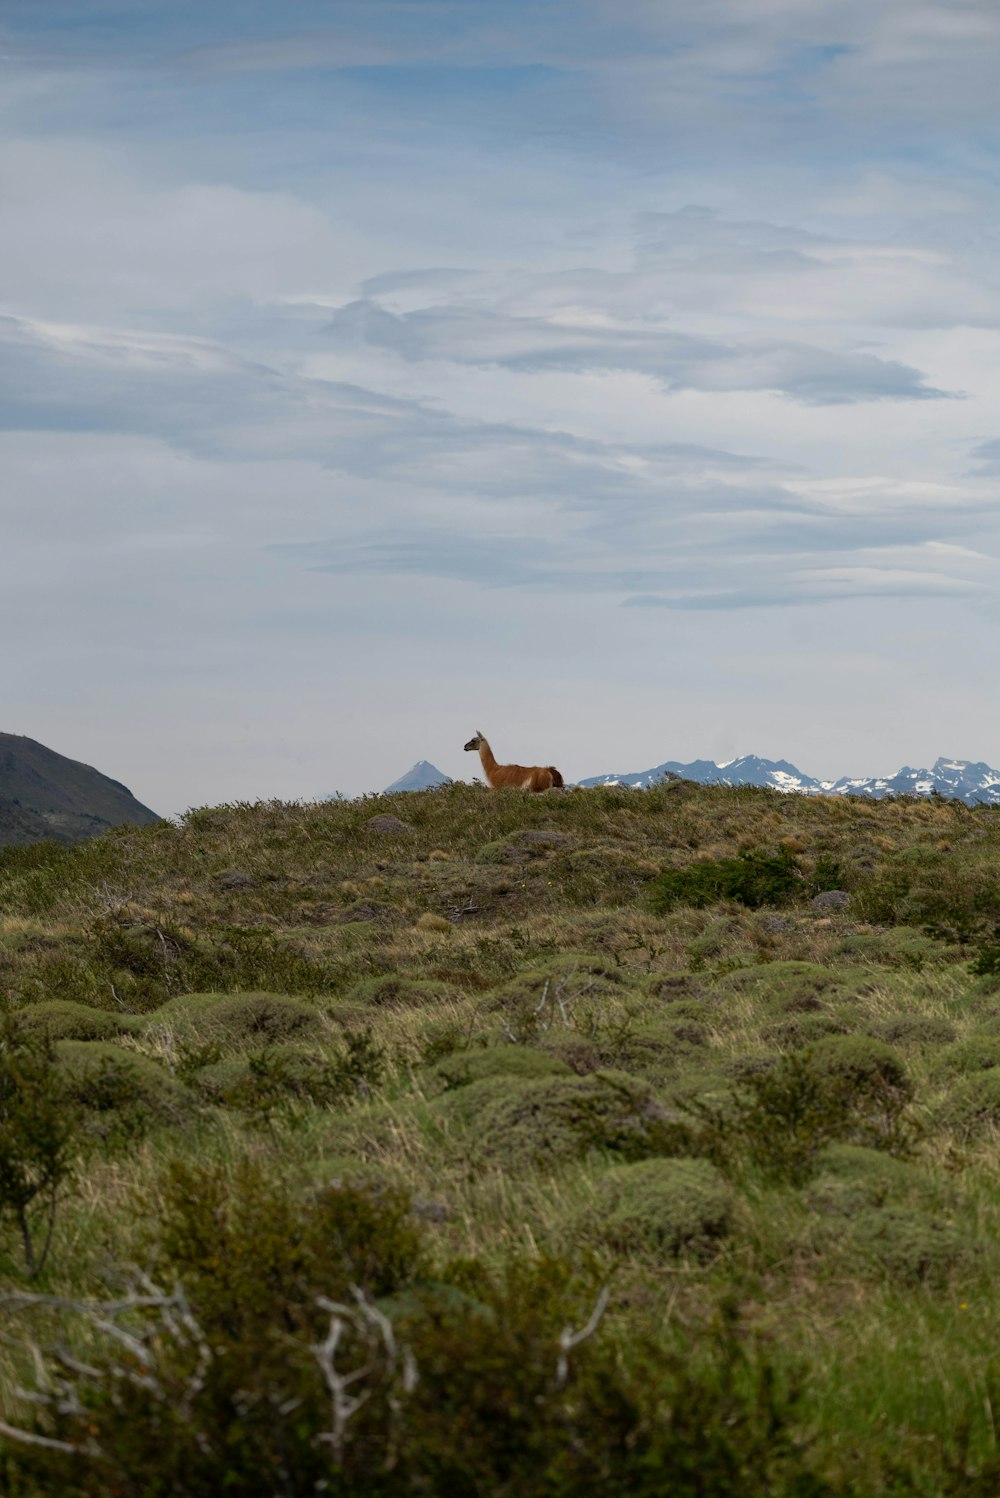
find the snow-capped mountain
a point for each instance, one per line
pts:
(964, 780)
(422, 777)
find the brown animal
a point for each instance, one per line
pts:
(525, 777)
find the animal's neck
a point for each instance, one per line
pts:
(487, 757)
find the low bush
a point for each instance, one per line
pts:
(908, 1245)
(119, 1091)
(521, 1122)
(789, 986)
(300, 1353)
(851, 1178)
(978, 1053)
(466, 1066)
(38, 1122)
(803, 1030)
(843, 1088)
(752, 879)
(900, 946)
(663, 1206)
(972, 1106)
(234, 1020)
(393, 991)
(923, 886)
(61, 1019)
(917, 1030)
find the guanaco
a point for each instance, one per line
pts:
(526, 777)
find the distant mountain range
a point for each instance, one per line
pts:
(960, 779)
(45, 795)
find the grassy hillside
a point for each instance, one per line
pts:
(45, 795)
(471, 1143)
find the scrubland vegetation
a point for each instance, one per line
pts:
(475, 1143)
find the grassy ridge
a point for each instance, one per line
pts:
(607, 1031)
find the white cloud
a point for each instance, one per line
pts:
(602, 468)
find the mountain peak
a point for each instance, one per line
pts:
(423, 776)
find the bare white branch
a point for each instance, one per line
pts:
(569, 1339)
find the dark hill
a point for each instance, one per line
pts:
(46, 795)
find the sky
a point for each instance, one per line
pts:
(622, 381)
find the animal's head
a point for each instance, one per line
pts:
(475, 741)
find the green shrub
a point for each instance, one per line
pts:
(909, 1246)
(870, 1068)
(676, 987)
(37, 1142)
(579, 1052)
(213, 1078)
(561, 992)
(752, 879)
(851, 1178)
(900, 946)
(789, 986)
(977, 1054)
(602, 876)
(523, 1123)
(987, 963)
(272, 1370)
(119, 1090)
(394, 991)
(954, 901)
(667, 1206)
(843, 1088)
(972, 1106)
(61, 1019)
(466, 1066)
(803, 1030)
(271, 1080)
(917, 1030)
(235, 1020)
(254, 1256)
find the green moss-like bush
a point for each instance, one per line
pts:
(977, 1054)
(524, 1123)
(234, 1020)
(523, 845)
(598, 876)
(843, 1088)
(580, 1052)
(973, 1104)
(909, 1246)
(215, 1080)
(464, 1067)
(264, 1082)
(900, 946)
(869, 1067)
(803, 1030)
(917, 1030)
(126, 1089)
(788, 987)
(752, 879)
(667, 1206)
(62, 1019)
(393, 991)
(851, 1178)
(676, 987)
(563, 989)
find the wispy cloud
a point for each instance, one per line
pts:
(677, 361)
